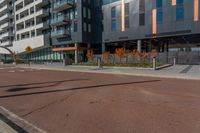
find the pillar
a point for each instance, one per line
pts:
(103, 47)
(76, 54)
(88, 46)
(139, 46)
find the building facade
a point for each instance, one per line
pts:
(151, 24)
(6, 23)
(56, 29)
(53, 29)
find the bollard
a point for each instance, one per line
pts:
(154, 63)
(99, 62)
(174, 61)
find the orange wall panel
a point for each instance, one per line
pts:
(173, 2)
(154, 23)
(196, 10)
(123, 15)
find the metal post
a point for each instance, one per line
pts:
(99, 62)
(154, 63)
(139, 45)
(174, 61)
(76, 54)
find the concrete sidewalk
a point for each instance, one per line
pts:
(190, 72)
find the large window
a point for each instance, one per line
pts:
(159, 16)
(179, 10)
(126, 15)
(113, 19)
(142, 13)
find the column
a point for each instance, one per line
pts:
(76, 54)
(103, 49)
(139, 46)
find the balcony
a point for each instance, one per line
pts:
(42, 3)
(6, 25)
(6, 35)
(6, 44)
(62, 20)
(5, 9)
(60, 33)
(44, 25)
(43, 13)
(6, 17)
(3, 2)
(63, 5)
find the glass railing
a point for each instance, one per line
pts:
(63, 2)
(59, 19)
(59, 32)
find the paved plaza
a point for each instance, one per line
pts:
(80, 102)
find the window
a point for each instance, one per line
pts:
(159, 5)
(84, 27)
(89, 27)
(84, 12)
(75, 26)
(89, 14)
(113, 12)
(179, 10)
(113, 19)
(126, 15)
(142, 13)
(113, 25)
(179, 13)
(159, 16)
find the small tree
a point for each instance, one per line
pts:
(106, 56)
(90, 55)
(153, 54)
(120, 53)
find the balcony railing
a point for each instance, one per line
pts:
(60, 33)
(63, 4)
(60, 20)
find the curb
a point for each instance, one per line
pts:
(23, 124)
(117, 73)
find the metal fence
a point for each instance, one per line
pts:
(179, 57)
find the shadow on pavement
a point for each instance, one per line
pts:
(40, 83)
(77, 88)
(55, 83)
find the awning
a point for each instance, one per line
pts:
(71, 49)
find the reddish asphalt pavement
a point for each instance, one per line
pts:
(74, 102)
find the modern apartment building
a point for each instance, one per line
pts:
(151, 24)
(54, 29)
(6, 23)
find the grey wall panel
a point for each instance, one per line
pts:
(169, 25)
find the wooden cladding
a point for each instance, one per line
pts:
(123, 14)
(154, 22)
(196, 10)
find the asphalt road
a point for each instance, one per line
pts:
(75, 102)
